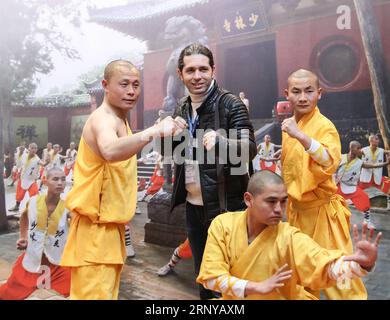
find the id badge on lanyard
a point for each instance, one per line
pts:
(192, 127)
(190, 164)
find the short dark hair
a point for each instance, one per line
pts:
(356, 143)
(111, 67)
(192, 49)
(52, 170)
(304, 73)
(260, 180)
(33, 144)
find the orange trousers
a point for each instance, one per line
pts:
(20, 192)
(67, 170)
(41, 172)
(15, 176)
(264, 167)
(22, 283)
(384, 186)
(157, 183)
(359, 198)
(184, 251)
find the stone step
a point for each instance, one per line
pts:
(378, 199)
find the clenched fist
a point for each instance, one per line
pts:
(210, 139)
(290, 127)
(171, 127)
(21, 244)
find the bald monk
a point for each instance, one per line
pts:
(266, 151)
(373, 177)
(253, 255)
(70, 158)
(347, 180)
(103, 198)
(311, 154)
(43, 232)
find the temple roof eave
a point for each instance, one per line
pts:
(143, 11)
(134, 25)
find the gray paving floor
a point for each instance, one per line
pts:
(139, 279)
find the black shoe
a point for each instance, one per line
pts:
(14, 209)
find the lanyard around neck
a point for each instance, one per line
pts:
(192, 123)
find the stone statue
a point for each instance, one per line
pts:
(290, 5)
(180, 32)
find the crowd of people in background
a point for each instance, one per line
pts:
(239, 244)
(29, 171)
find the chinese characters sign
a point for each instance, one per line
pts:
(30, 129)
(242, 21)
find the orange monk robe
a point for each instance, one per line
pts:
(227, 252)
(102, 200)
(314, 206)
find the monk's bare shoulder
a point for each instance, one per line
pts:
(99, 121)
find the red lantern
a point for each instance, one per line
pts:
(283, 110)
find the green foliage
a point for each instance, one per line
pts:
(30, 32)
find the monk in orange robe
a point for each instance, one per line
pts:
(311, 153)
(104, 196)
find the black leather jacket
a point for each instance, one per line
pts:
(235, 117)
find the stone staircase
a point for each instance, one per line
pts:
(259, 123)
(145, 170)
(378, 199)
(262, 127)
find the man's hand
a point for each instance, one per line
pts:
(290, 127)
(366, 251)
(210, 139)
(181, 125)
(278, 155)
(21, 244)
(171, 127)
(269, 285)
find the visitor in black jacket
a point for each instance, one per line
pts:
(214, 176)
